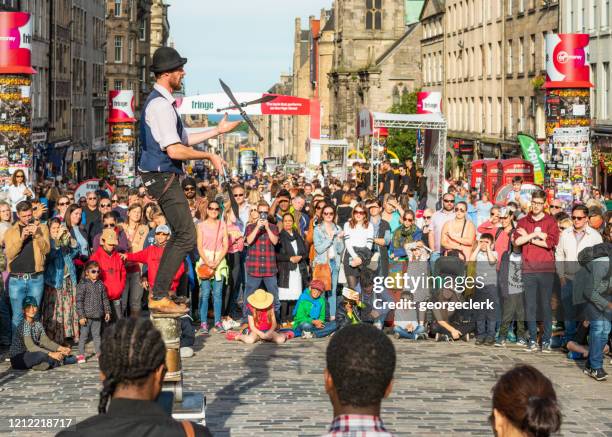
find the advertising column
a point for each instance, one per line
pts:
(568, 114)
(15, 102)
(121, 155)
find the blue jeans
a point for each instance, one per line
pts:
(5, 316)
(403, 333)
(318, 332)
(538, 292)
(569, 312)
(253, 283)
(485, 318)
(217, 287)
(331, 295)
(598, 337)
(19, 288)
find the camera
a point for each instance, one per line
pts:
(263, 216)
(31, 221)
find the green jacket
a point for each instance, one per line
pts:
(303, 310)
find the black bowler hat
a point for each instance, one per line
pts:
(166, 59)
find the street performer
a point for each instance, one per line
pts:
(164, 146)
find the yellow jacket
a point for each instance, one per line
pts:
(13, 245)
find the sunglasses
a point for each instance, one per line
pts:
(92, 198)
(109, 225)
(239, 195)
(114, 201)
(459, 210)
(555, 206)
(19, 176)
(189, 189)
(358, 212)
(494, 215)
(105, 205)
(537, 203)
(576, 217)
(213, 209)
(64, 203)
(427, 217)
(328, 214)
(94, 271)
(319, 208)
(409, 219)
(448, 200)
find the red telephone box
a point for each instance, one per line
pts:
(509, 168)
(476, 173)
(489, 175)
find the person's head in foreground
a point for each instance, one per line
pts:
(525, 404)
(359, 371)
(131, 361)
(132, 369)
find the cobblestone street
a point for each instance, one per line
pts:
(440, 389)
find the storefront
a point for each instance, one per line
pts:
(602, 157)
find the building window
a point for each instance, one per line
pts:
(489, 114)
(118, 8)
(143, 29)
(374, 14)
(118, 49)
(532, 54)
(521, 55)
(510, 124)
(605, 90)
(118, 84)
(592, 15)
(131, 50)
(605, 16)
(509, 7)
(521, 6)
(490, 60)
(498, 59)
(509, 59)
(521, 114)
(499, 120)
(594, 90)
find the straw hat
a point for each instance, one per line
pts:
(260, 300)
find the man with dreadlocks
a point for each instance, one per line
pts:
(132, 370)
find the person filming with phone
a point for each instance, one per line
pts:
(262, 237)
(26, 247)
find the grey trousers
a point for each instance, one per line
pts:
(92, 326)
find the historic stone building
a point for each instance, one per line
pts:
(376, 57)
(494, 60)
(128, 47)
(160, 26)
(88, 99)
(595, 18)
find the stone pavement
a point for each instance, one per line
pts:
(440, 389)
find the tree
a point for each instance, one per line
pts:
(403, 141)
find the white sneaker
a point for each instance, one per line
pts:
(186, 352)
(307, 334)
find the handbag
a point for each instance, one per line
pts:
(322, 272)
(205, 271)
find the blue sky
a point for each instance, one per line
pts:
(247, 43)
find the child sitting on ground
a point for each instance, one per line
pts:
(349, 305)
(31, 348)
(92, 306)
(309, 313)
(262, 321)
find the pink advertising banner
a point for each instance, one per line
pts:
(121, 106)
(567, 61)
(429, 102)
(16, 43)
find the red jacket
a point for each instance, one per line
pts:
(151, 256)
(538, 259)
(112, 272)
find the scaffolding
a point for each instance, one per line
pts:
(434, 158)
(316, 146)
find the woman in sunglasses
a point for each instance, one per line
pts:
(212, 247)
(358, 239)
(61, 207)
(459, 233)
(329, 245)
(18, 189)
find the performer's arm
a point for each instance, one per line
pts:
(223, 127)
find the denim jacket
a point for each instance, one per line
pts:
(59, 263)
(322, 243)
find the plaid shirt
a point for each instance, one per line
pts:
(261, 257)
(357, 425)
